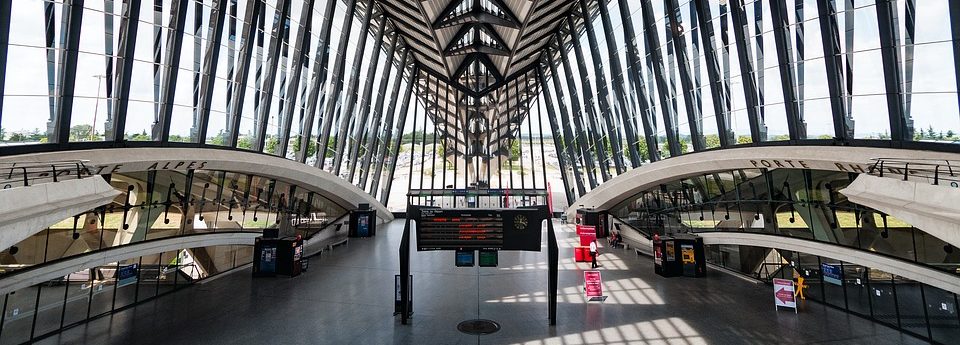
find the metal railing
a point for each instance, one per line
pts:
(22, 174)
(935, 171)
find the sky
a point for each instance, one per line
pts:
(934, 102)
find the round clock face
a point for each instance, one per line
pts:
(520, 222)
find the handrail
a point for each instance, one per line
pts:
(23, 174)
(936, 169)
(641, 232)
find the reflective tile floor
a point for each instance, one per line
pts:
(346, 297)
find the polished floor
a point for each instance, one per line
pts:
(346, 297)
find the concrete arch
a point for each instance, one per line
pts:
(47, 271)
(920, 273)
(830, 158)
(119, 160)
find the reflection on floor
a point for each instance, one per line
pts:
(347, 298)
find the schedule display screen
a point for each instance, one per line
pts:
(452, 229)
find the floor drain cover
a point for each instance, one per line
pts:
(478, 327)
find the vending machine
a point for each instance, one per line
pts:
(679, 255)
(277, 256)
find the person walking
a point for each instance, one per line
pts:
(593, 253)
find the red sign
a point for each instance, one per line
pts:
(587, 234)
(783, 293)
(591, 283)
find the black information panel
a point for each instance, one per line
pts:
(498, 229)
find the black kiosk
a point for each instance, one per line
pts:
(594, 217)
(363, 222)
(277, 256)
(679, 255)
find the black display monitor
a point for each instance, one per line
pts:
(494, 229)
(488, 258)
(464, 258)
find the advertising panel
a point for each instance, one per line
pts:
(832, 274)
(686, 254)
(587, 234)
(670, 254)
(127, 275)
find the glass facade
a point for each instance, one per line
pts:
(161, 204)
(151, 206)
(505, 97)
(34, 312)
(919, 309)
(785, 202)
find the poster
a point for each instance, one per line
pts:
(831, 274)
(587, 234)
(127, 275)
(591, 284)
(657, 252)
(686, 254)
(783, 293)
(268, 259)
(363, 225)
(670, 254)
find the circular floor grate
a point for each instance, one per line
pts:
(478, 327)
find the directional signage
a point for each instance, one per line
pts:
(492, 229)
(592, 285)
(783, 293)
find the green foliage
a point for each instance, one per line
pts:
(271, 145)
(81, 133)
(220, 139)
(644, 151)
(245, 142)
(825, 136)
(744, 139)
(712, 140)
(311, 146)
(515, 149)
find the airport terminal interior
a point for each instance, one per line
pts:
(479, 171)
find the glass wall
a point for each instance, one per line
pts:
(919, 309)
(36, 311)
(161, 204)
(785, 202)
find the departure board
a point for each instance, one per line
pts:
(494, 229)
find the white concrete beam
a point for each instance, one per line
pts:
(934, 209)
(25, 211)
(828, 158)
(120, 160)
(45, 272)
(920, 273)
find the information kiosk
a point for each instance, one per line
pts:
(679, 255)
(594, 217)
(277, 256)
(363, 222)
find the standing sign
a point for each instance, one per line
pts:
(587, 234)
(592, 286)
(398, 296)
(783, 294)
